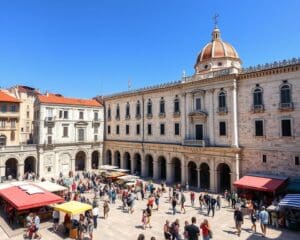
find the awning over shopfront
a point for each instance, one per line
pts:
(290, 200)
(265, 184)
(73, 207)
(50, 186)
(28, 196)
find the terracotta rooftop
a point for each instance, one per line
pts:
(4, 97)
(58, 99)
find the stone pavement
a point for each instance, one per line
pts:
(124, 226)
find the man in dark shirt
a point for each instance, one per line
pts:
(192, 230)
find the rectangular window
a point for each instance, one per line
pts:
(2, 123)
(264, 158)
(96, 129)
(127, 129)
(96, 116)
(81, 115)
(297, 161)
(28, 114)
(117, 129)
(66, 113)
(149, 129)
(176, 106)
(49, 139)
(162, 107)
(259, 128)
(138, 129)
(13, 123)
(176, 129)
(60, 113)
(12, 136)
(286, 128)
(49, 130)
(198, 103)
(222, 128)
(80, 134)
(3, 108)
(65, 131)
(13, 108)
(162, 129)
(108, 129)
(95, 138)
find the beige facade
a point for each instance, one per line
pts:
(231, 122)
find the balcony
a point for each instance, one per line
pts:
(117, 117)
(138, 116)
(49, 121)
(222, 110)
(96, 122)
(127, 117)
(162, 115)
(198, 113)
(195, 142)
(108, 118)
(258, 108)
(10, 115)
(149, 115)
(286, 106)
(176, 114)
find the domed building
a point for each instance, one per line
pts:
(217, 55)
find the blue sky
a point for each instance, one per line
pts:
(85, 48)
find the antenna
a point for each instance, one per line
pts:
(215, 19)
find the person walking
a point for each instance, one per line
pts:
(81, 226)
(55, 216)
(192, 230)
(192, 196)
(37, 223)
(144, 218)
(90, 228)
(182, 201)
(239, 220)
(149, 214)
(105, 209)
(253, 216)
(95, 213)
(264, 220)
(206, 231)
(167, 233)
(175, 230)
(174, 203)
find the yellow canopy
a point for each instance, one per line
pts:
(73, 207)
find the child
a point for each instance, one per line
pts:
(144, 218)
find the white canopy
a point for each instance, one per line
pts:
(50, 186)
(13, 184)
(128, 177)
(108, 167)
(121, 170)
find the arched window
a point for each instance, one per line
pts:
(2, 140)
(176, 105)
(118, 111)
(285, 94)
(162, 106)
(222, 101)
(138, 109)
(257, 96)
(127, 110)
(149, 107)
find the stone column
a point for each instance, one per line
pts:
(183, 172)
(198, 178)
(237, 166)
(183, 119)
(235, 140)
(88, 163)
(211, 118)
(212, 176)
(143, 166)
(169, 173)
(73, 165)
(155, 169)
(20, 171)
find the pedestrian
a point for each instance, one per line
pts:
(175, 230)
(95, 213)
(149, 214)
(192, 195)
(206, 231)
(90, 228)
(81, 226)
(144, 219)
(167, 232)
(264, 220)
(55, 216)
(218, 202)
(182, 201)
(37, 222)
(157, 196)
(105, 209)
(174, 203)
(201, 201)
(239, 220)
(253, 216)
(192, 230)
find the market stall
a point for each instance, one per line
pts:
(108, 167)
(72, 208)
(290, 206)
(19, 201)
(52, 187)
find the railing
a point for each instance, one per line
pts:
(222, 110)
(138, 116)
(29, 147)
(195, 142)
(127, 117)
(286, 106)
(162, 115)
(258, 108)
(149, 115)
(10, 114)
(176, 114)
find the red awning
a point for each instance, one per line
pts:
(265, 184)
(22, 199)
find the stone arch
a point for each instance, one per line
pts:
(11, 168)
(162, 167)
(80, 161)
(224, 177)
(127, 161)
(30, 164)
(108, 157)
(176, 170)
(137, 164)
(204, 176)
(149, 165)
(117, 158)
(95, 160)
(192, 174)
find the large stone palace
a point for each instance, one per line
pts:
(209, 129)
(206, 130)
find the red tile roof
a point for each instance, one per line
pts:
(4, 97)
(58, 99)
